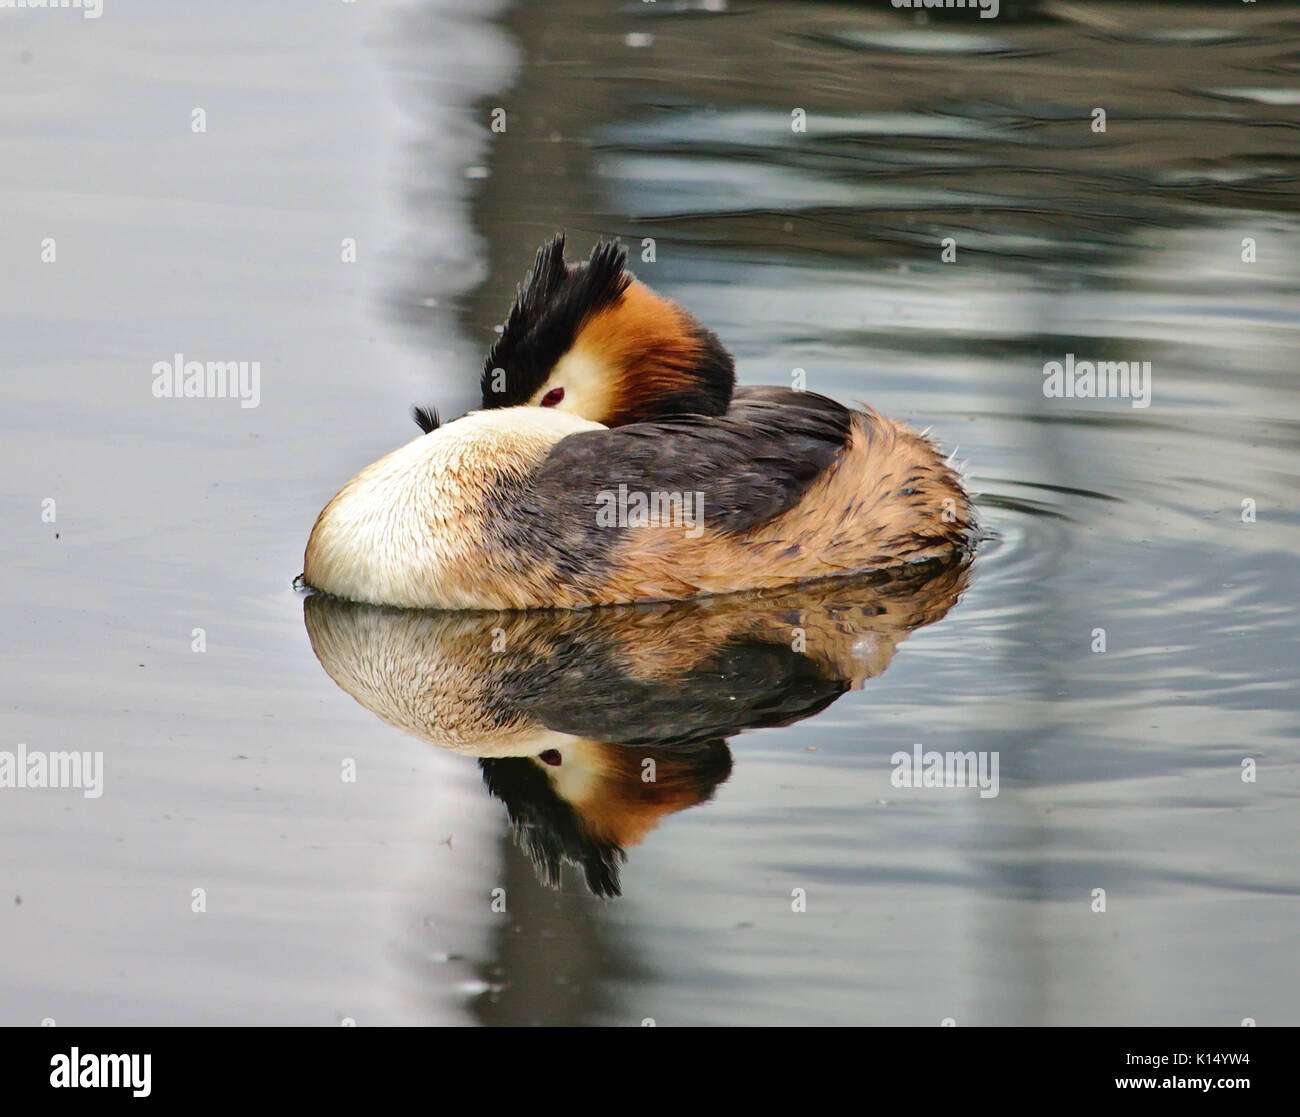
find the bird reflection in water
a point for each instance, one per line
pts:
(591, 726)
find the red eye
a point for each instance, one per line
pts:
(552, 397)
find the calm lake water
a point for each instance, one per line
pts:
(1124, 644)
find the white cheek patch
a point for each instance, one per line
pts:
(580, 773)
(587, 382)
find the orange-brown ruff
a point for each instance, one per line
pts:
(601, 392)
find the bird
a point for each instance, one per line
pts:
(615, 460)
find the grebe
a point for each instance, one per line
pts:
(608, 410)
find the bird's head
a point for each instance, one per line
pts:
(592, 340)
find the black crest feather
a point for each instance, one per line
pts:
(426, 418)
(553, 833)
(548, 312)
(548, 829)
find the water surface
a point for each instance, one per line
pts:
(819, 250)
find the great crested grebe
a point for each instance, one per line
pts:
(615, 461)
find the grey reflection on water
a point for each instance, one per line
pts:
(821, 251)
